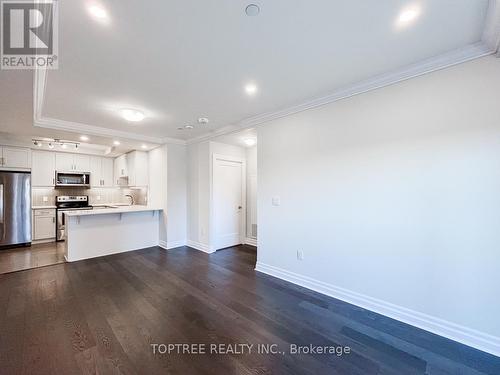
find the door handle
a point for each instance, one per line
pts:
(239, 207)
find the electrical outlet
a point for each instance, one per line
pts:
(300, 255)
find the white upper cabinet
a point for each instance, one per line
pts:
(43, 169)
(121, 172)
(132, 169)
(101, 171)
(66, 162)
(95, 171)
(15, 157)
(137, 164)
(82, 163)
(107, 172)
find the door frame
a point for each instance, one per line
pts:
(243, 222)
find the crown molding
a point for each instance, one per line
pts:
(491, 34)
(76, 127)
(458, 56)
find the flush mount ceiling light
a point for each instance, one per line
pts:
(116, 143)
(144, 146)
(189, 127)
(98, 12)
(203, 121)
(408, 16)
(132, 115)
(84, 138)
(251, 89)
(250, 142)
(252, 10)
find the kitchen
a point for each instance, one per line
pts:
(52, 183)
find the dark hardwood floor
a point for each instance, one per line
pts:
(25, 258)
(101, 316)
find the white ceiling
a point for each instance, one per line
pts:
(184, 59)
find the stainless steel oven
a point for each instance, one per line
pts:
(73, 179)
(68, 203)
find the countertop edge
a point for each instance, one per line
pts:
(120, 210)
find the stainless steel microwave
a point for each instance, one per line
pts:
(73, 179)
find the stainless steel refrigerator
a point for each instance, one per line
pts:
(15, 209)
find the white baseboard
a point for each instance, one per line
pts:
(38, 242)
(200, 246)
(456, 332)
(168, 245)
(251, 241)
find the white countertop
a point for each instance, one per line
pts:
(43, 207)
(115, 210)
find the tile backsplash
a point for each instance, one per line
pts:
(96, 195)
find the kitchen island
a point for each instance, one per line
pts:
(110, 230)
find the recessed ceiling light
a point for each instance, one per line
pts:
(408, 15)
(64, 145)
(203, 121)
(98, 12)
(251, 89)
(51, 145)
(84, 138)
(250, 142)
(39, 144)
(116, 143)
(252, 10)
(132, 115)
(189, 127)
(144, 146)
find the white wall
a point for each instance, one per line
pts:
(394, 198)
(176, 195)
(157, 194)
(199, 187)
(168, 189)
(198, 194)
(251, 158)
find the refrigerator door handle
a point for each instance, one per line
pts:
(1, 204)
(2, 212)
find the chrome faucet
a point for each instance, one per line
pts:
(131, 199)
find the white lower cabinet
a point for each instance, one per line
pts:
(44, 224)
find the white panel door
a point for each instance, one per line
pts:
(228, 200)
(107, 172)
(64, 162)
(96, 171)
(14, 157)
(81, 163)
(43, 168)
